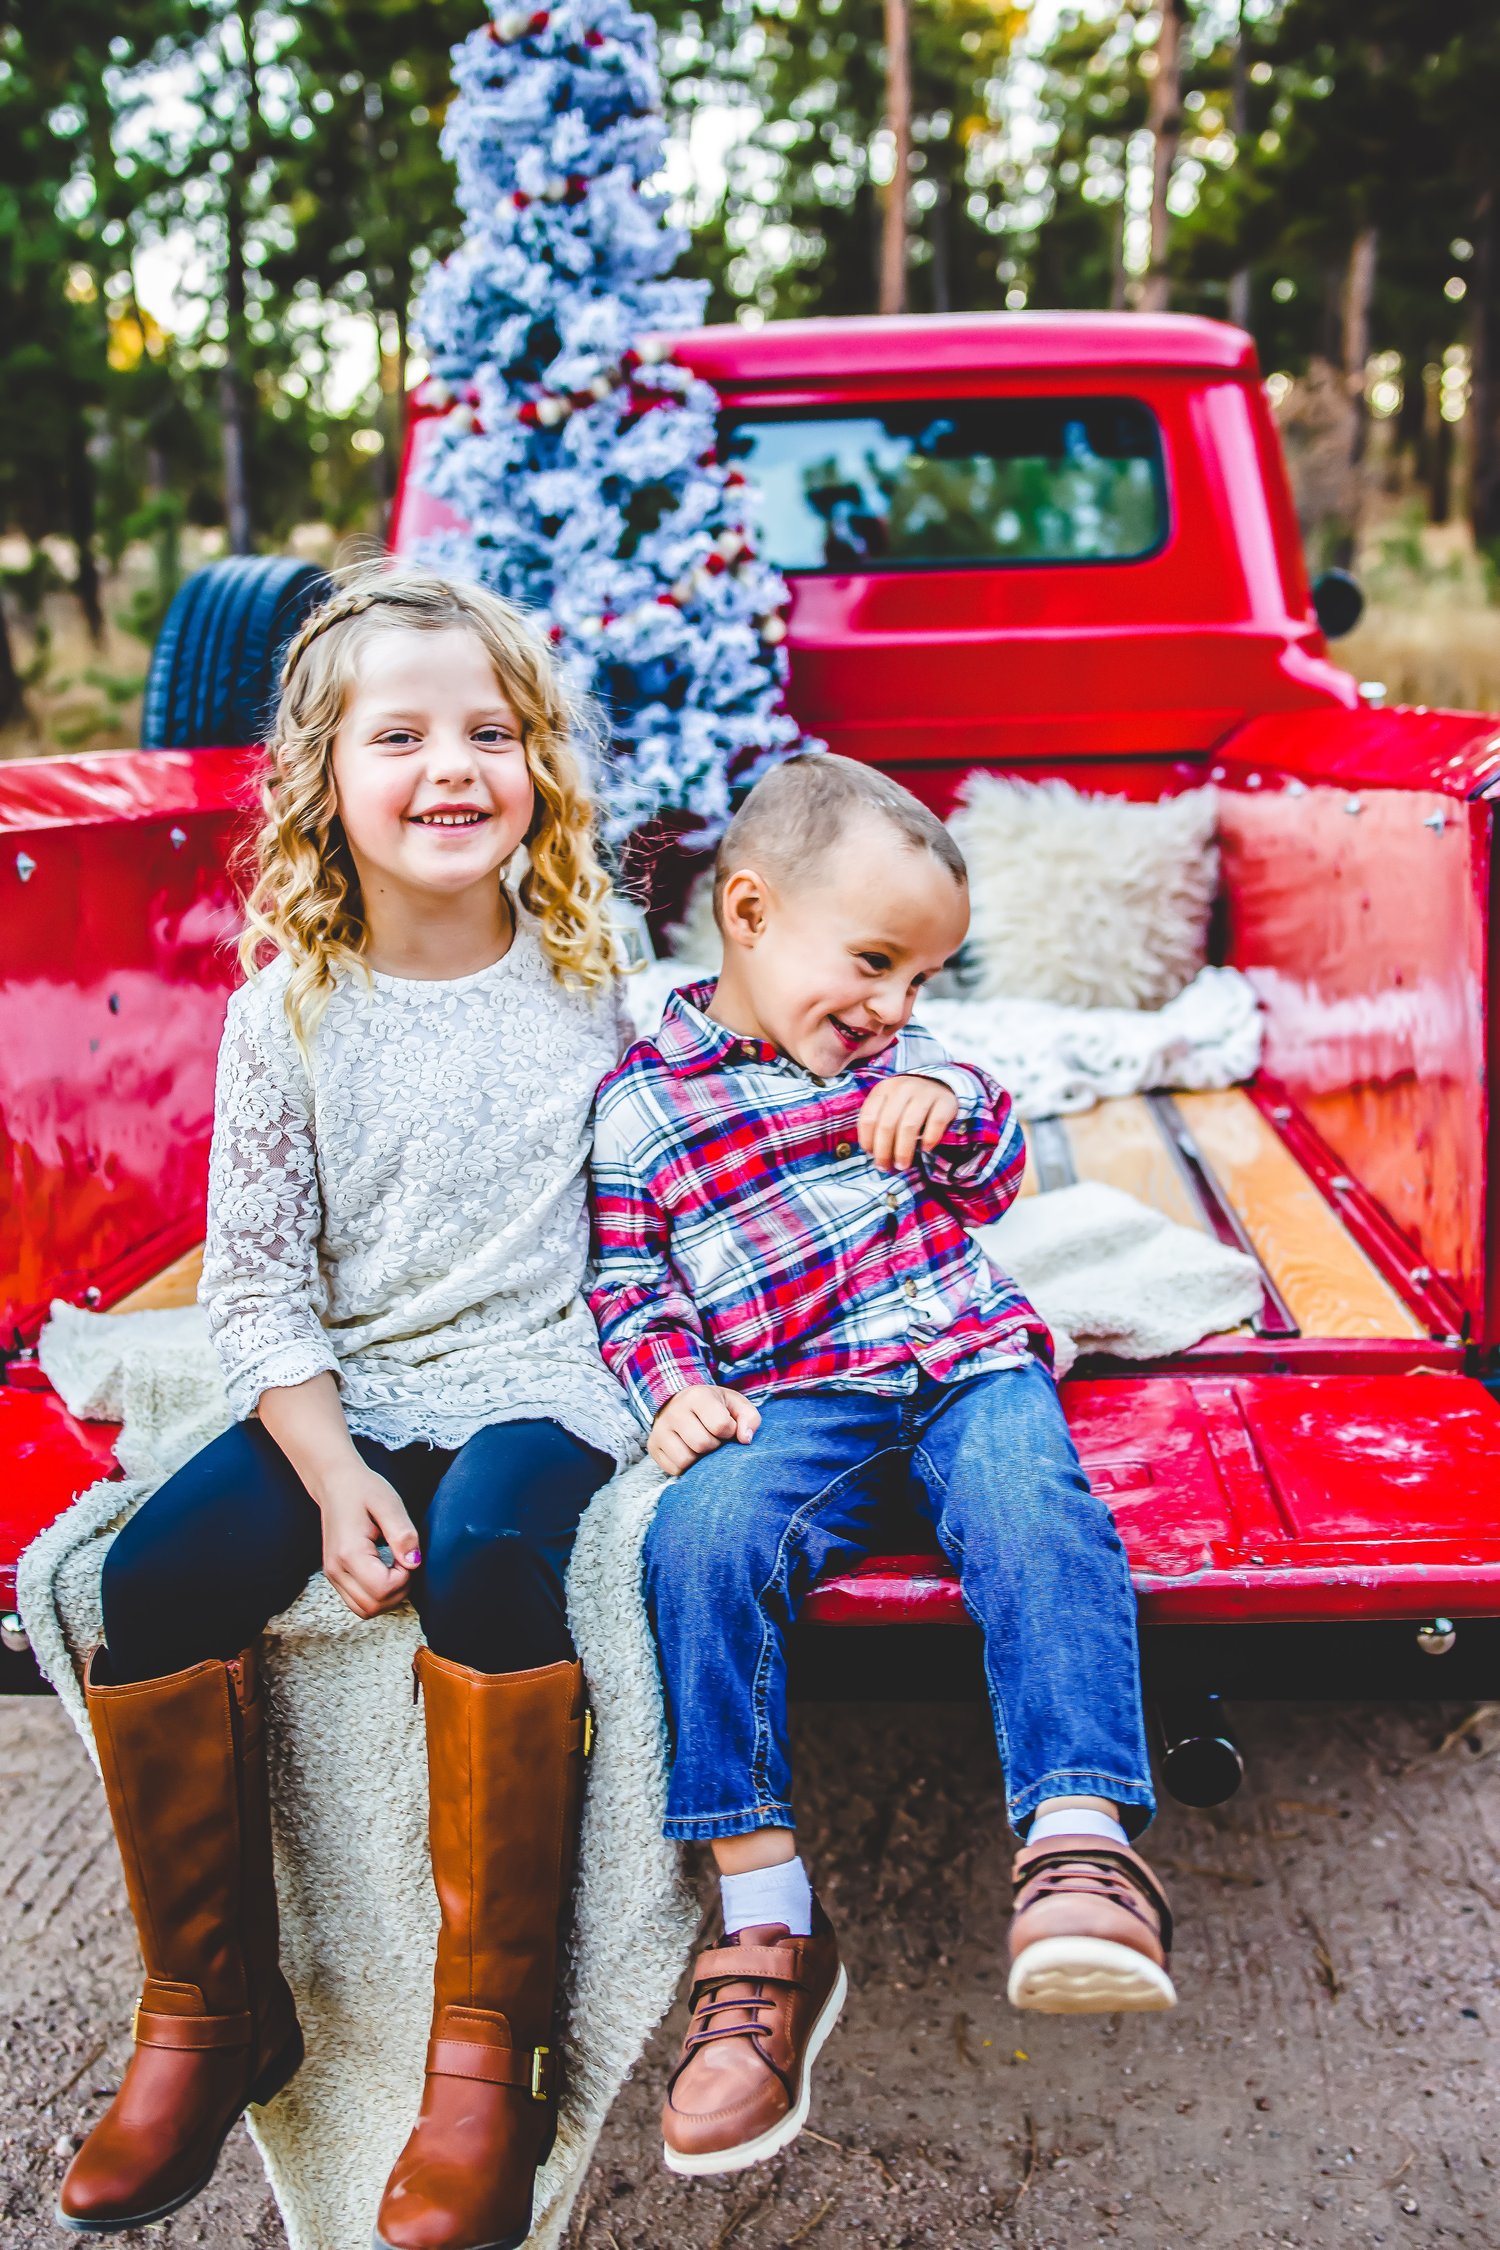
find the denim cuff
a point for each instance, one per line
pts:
(1135, 1801)
(709, 1828)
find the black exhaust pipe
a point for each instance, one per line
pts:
(1201, 1762)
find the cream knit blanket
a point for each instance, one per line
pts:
(358, 1917)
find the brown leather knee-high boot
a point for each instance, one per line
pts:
(184, 1766)
(505, 1780)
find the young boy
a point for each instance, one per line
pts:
(783, 1179)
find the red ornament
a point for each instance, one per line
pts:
(608, 618)
(629, 361)
(520, 198)
(540, 20)
(707, 460)
(734, 477)
(554, 634)
(578, 187)
(714, 563)
(669, 601)
(593, 38)
(527, 413)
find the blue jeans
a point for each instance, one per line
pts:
(743, 1534)
(231, 1540)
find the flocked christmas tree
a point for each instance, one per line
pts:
(582, 459)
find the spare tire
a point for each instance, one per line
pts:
(213, 676)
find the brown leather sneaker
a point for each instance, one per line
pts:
(1091, 1930)
(763, 2004)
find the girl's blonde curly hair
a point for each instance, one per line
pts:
(304, 898)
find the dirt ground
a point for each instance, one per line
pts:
(1326, 2084)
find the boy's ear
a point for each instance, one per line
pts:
(742, 907)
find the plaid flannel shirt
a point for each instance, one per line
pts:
(742, 1236)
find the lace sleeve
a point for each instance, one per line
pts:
(261, 1287)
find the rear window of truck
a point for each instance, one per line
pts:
(916, 483)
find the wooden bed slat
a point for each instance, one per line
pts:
(174, 1286)
(1120, 1143)
(1328, 1283)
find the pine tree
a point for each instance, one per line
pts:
(582, 459)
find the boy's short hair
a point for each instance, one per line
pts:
(797, 812)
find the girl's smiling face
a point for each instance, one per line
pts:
(429, 766)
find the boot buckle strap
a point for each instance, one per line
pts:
(530, 2068)
(150, 2028)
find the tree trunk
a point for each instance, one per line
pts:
(81, 524)
(235, 385)
(1436, 449)
(1164, 117)
(12, 695)
(938, 232)
(1119, 280)
(1358, 298)
(1239, 122)
(1484, 358)
(898, 118)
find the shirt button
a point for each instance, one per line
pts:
(843, 1149)
(893, 1201)
(747, 1050)
(910, 1287)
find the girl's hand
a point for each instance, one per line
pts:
(697, 1421)
(359, 1510)
(901, 1115)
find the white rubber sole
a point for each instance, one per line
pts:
(1087, 1976)
(787, 2128)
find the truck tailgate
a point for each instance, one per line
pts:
(1263, 1499)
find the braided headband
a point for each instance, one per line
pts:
(332, 612)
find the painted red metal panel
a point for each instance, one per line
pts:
(49, 1459)
(117, 920)
(1452, 753)
(1261, 1501)
(850, 352)
(1362, 918)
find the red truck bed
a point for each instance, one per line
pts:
(1338, 1460)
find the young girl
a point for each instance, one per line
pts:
(396, 1244)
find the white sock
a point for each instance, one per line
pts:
(1076, 1824)
(768, 1894)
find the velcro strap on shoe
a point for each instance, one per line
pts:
(152, 2029)
(772, 1964)
(530, 2068)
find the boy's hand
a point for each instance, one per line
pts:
(697, 1421)
(901, 1115)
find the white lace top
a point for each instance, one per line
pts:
(413, 1217)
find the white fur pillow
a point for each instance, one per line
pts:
(1090, 901)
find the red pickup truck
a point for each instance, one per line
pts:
(1309, 1505)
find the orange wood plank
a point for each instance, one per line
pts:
(1330, 1286)
(176, 1285)
(1120, 1143)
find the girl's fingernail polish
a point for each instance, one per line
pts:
(414, 1559)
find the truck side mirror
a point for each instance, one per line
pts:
(1338, 603)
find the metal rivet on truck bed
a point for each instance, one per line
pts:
(1420, 1275)
(91, 1295)
(1353, 805)
(1437, 1637)
(177, 837)
(1437, 822)
(25, 866)
(13, 1633)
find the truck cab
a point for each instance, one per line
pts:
(1050, 546)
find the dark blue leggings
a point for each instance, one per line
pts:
(234, 1536)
